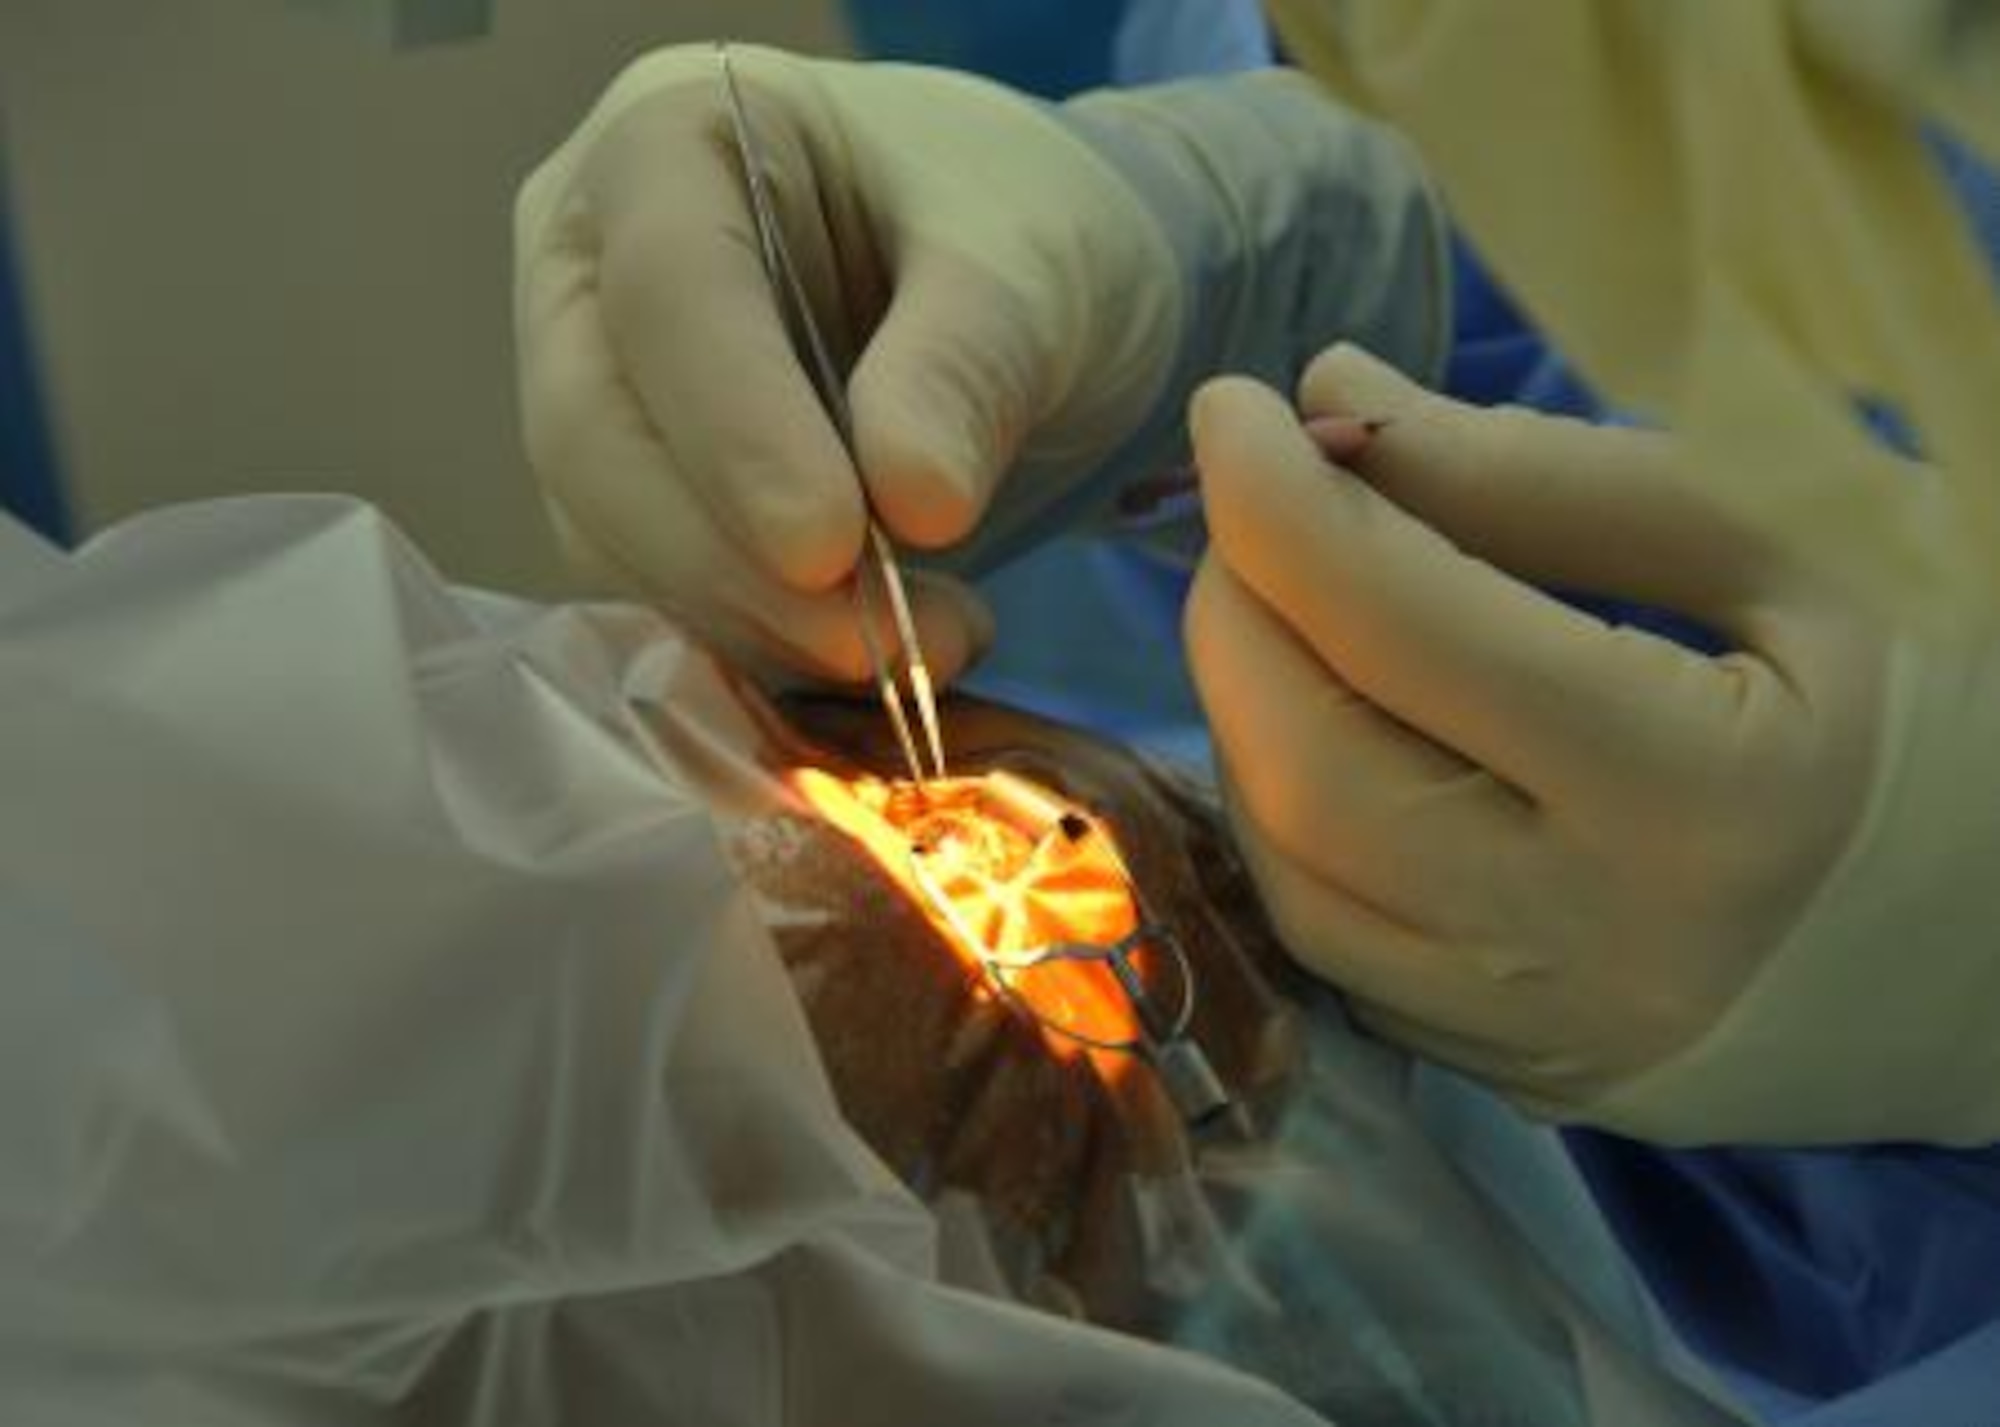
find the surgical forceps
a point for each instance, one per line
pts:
(832, 391)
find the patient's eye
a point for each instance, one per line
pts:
(1006, 870)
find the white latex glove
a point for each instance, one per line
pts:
(1691, 898)
(1026, 292)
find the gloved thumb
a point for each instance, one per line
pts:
(943, 395)
(1557, 502)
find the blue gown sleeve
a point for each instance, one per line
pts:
(28, 483)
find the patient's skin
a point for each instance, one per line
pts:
(956, 1090)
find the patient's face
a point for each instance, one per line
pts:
(875, 895)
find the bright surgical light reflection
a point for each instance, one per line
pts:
(1011, 882)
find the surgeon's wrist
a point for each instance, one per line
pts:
(1294, 223)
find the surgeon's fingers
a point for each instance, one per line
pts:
(1332, 782)
(1556, 501)
(1359, 948)
(1342, 439)
(1543, 696)
(1399, 983)
(766, 652)
(659, 540)
(1496, 1052)
(953, 624)
(694, 320)
(944, 394)
(1476, 1056)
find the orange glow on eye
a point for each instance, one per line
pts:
(993, 847)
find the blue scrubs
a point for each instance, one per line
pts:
(28, 485)
(1056, 48)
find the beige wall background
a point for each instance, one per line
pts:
(267, 250)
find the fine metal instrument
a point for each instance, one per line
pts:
(880, 568)
(1148, 966)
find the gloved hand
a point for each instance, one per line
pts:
(1025, 292)
(1692, 898)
